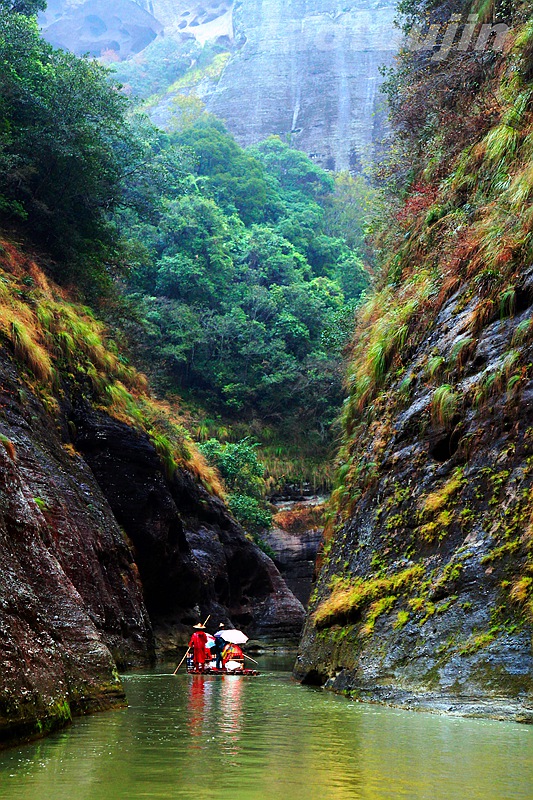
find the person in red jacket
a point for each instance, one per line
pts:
(198, 643)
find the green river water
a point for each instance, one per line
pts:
(267, 737)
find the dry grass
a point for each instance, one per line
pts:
(9, 447)
(521, 594)
(300, 518)
(51, 335)
(444, 404)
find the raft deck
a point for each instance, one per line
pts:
(215, 671)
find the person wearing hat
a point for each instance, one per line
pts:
(219, 645)
(198, 643)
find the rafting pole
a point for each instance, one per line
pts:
(188, 650)
(251, 659)
(182, 660)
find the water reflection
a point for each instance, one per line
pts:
(197, 716)
(256, 739)
(231, 714)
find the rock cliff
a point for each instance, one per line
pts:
(305, 70)
(71, 602)
(107, 529)
(194, 560)
(308, 72)
(425, 596)
(422, 600)
(117, 30)
(295, 540)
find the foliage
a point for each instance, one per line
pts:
(444, 404)
(300, 518)
(163, 62)
(238, 465)
(458, 221)
(237, 180)
(64, 147)
(26, 7)
(238, 290)
(351, 210)
(243, 475)
(252, 515)
(60, 343)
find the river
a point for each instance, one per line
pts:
(267, 737)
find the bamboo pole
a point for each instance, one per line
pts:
(181, 662)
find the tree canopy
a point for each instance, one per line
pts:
(65, 144)
(240, 280)
(237, 264)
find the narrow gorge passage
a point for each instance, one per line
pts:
(266, 373)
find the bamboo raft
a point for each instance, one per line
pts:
(221, 672)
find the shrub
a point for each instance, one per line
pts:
(250, 513)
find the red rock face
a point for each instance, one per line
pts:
(70, 598)
(89, 526)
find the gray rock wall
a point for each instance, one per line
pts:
(308, 71)
(432, 567)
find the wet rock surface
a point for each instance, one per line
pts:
(439, 540)
(194, 560)
(295, 556)
(71, 603)
(97, 545)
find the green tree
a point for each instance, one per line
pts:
(65, 146)
(238, 465)
(27, 8)
(243, 475)
(237, 181)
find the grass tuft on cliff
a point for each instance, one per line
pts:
(60, 342)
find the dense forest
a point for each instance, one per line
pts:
(234, 273)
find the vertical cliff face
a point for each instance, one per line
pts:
(308, 71)
(305, 70)
(425, 596)
(120, 29)
(71, 601)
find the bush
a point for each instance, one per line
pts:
(252, 515)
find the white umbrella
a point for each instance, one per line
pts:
(233, 636)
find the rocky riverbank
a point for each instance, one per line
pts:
(103, 537)
(425, 592)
